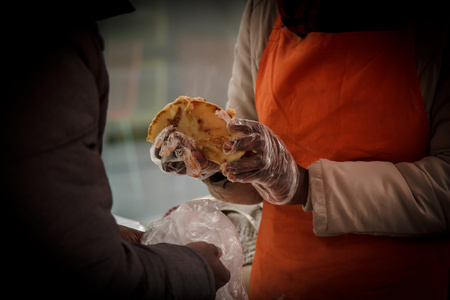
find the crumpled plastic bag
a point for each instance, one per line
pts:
(202, 220)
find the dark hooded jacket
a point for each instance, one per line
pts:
(61, 240)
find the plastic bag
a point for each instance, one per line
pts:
(202, 220)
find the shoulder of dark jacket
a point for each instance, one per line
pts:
(48, 10)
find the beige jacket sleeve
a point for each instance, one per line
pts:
(405, 199)
(256, 26)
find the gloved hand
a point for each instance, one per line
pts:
(175, 153)
(268, 165)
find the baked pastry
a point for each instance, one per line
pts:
(204, 122)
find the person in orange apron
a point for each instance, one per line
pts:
(342, 128)
(348, 96)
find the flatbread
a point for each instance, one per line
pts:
(199, 120)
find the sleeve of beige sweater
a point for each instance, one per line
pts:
(404, 199)
(256, 25)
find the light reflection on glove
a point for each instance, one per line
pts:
(268, 165)
(175, 153)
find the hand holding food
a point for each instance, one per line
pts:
(197, 138)
(188, 135)
(268, 165)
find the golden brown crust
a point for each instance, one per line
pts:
(197, 118)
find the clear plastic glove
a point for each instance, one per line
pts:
(176, 153)
(268, 165)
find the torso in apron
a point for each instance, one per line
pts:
(344, 97)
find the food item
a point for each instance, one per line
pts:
(204, 122)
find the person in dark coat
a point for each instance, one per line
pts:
(62, 241)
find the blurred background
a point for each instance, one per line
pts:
(166, 48)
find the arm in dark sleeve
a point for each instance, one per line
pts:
(62, 239)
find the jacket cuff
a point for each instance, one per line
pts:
(176, 272)
(316, 199)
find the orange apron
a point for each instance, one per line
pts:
(344, 97)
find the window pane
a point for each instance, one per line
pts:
(161, 51)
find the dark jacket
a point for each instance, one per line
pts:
(61, 239)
